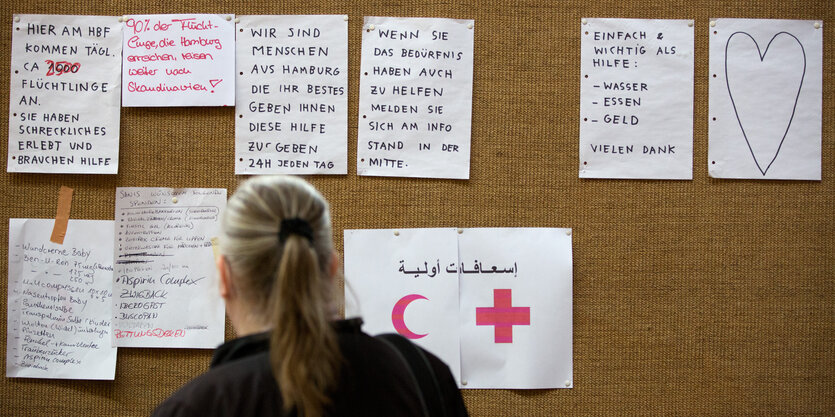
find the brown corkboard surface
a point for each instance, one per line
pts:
(702, 297)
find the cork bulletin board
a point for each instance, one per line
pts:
(702, 297)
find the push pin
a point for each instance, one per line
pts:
(396, 233)
(568, 232)
(228, 18)
(345, 18)
(817, 25)
(17, 18)
(237, 20)
(174, 200)
(370, 27)
(713, 23)
(567, 383)
(460, 231)
(469, 26)
(464, 382)
(584, 21)
(690, 24)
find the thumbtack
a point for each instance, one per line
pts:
(396, 233)
(567, 383)
(460, 231)
(174, 200)
(817, 25)
(228, 18)
(713, 23)
(237, 20)
(584, 21)
(371, 27)
(469, 26)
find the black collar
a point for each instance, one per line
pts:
(260, 342)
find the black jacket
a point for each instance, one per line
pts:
(373, 381)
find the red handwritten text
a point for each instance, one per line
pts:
(61, 67)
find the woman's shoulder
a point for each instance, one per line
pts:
(380, 373)
(243, 386)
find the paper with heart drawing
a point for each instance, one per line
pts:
(765, 99)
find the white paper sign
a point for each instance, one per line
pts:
(179, 60)
(636, 99)
(516, 329)
(416, 88)
(165, 282)
(292, 95)
(506, 294)
(408, 288)
(59, 306)
(64, 94)
(765, 99)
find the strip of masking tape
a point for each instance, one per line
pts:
(62, 215)
(215, 248)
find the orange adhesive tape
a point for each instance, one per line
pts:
(62, 215)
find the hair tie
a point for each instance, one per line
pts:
(295, 226)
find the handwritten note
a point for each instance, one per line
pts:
(636, 99)
(179, 60)
(496, 302)
(766, 80)
(405, 288)
(415, 111)
(165, 283)
(292, 95)
(64, 94)
(60, 301)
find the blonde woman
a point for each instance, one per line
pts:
(293, 357)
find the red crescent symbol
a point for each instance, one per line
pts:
(397, 316)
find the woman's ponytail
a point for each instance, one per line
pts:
(303, 351)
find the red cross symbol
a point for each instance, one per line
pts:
(503, 316)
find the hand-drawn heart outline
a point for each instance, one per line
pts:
(797, 97)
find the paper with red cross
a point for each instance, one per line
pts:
(516, 328)
(494, 304)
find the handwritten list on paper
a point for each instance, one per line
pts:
(292, 95)
(59, 309)
(178, 60)
(415, 111)
(636, 99)
(165, 283)
(64, 94)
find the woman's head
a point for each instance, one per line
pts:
(277, 250)
(250, 240)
